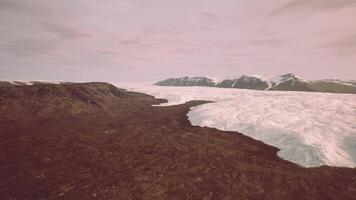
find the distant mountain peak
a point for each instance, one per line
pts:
(289, 75)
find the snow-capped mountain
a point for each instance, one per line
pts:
(286, 82)
(244, 82)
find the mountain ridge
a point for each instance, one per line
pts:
(286, 82)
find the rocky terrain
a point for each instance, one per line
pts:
(95, 141)
(287, 82)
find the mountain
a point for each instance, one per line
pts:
(187, 81)
(290, 82)
(244, 82)
(286, 82)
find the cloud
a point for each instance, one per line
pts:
(109, 52)
(269, 42)
(27, 8)
(29, 47)
(185, 50)
(64, 31)
(148, 40)
(128, 42)
(13, 5)
(312, 5)
(208, 14)
(345, 46)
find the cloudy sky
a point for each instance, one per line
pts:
(148, 40)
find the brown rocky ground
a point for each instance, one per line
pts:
(94, 141)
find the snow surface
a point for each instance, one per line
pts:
(311, 129)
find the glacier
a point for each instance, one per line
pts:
(310, 129)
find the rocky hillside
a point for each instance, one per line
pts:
(47, 99)
(287, 82)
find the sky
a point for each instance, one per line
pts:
(150, 40)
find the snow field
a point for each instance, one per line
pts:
(311, 129)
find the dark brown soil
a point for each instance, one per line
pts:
(94, 141)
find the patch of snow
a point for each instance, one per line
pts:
(216, 79)
(311, 129)
(233, 85)
(270, 85)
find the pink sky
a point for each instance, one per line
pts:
(149, 40)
